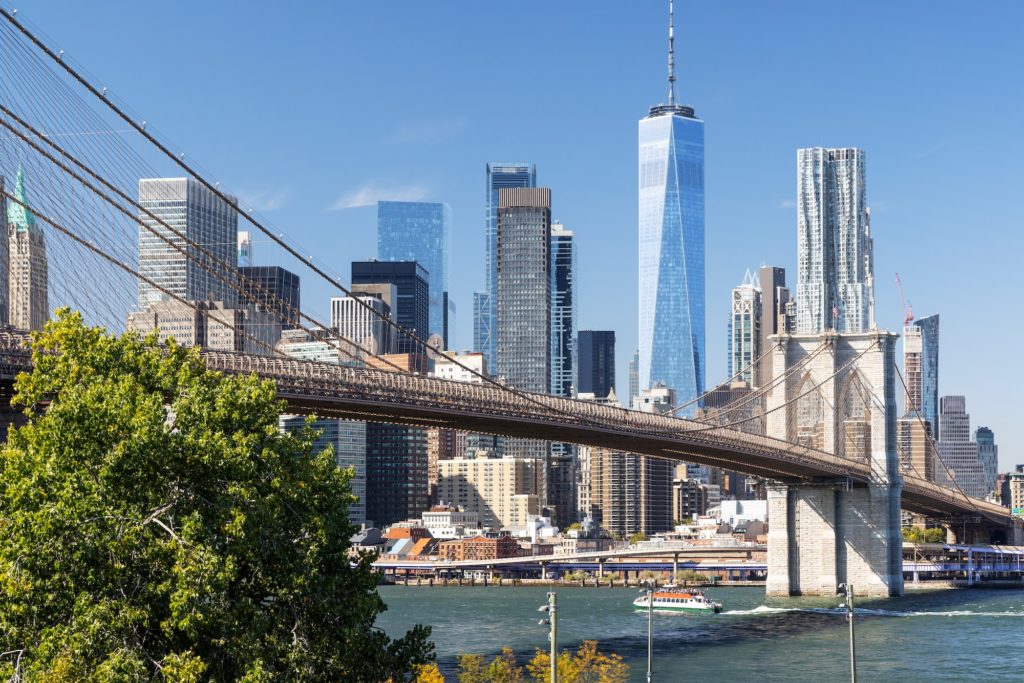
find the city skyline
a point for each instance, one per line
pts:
(903, 185)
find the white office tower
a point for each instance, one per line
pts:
(834, 288)
(361, 319)
(203, 229)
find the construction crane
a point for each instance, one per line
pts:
(908, 308)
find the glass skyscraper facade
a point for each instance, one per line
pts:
(563, 311)
(412, 309)
(273, 287)
(203, 218)
(929, 362)
(421, 232)
(671, 222)
(596, 354)
(485, 324)
(835, 267)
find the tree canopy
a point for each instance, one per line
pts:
(155, 524)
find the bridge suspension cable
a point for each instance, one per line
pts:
(146, 132)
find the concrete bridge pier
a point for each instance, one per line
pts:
(821, 536)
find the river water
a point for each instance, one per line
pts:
(944, 635)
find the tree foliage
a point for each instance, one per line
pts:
(586, 665)
(156, 525)
(915, 534)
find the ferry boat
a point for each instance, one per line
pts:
(671, 599)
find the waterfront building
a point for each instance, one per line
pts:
(745, 330)
(411, 306)
(348, 441)
(361, 320)
(629, 493)
(988, 458)
(1016, 487)
(503, 491)
(485, 323)
(596, 355)
(671, 231)
(523, 300)
(958, 452)
(28, 306)
(244, 249)
(200, 217)
(275, 289)
(442, 444)
(776, 316)
(396, 472)
(478, 548)
(420, 232)
(689, 499)
(835, 271)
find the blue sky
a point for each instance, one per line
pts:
(313, 111)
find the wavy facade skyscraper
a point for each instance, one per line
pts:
(835, 266)
(671, 226)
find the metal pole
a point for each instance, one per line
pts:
(650, 632)
(553, 614)
(853, 645)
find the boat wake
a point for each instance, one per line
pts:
(765, 609)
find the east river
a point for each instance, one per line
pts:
(943, 635)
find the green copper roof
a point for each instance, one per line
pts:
(17, 215)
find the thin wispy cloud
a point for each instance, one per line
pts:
(429, 132)
(264, 200)
(371, 193)
(786, 204)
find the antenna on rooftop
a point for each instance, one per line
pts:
(671, 56)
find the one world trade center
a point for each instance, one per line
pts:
(671, 222)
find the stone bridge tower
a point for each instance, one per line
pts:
(836, 393)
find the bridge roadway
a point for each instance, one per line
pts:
(360, 393)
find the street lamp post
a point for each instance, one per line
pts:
(552, 620)
(650, 630)
(847, 590)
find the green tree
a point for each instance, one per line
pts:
(155, 523)
(503, 668)
(637, 537)
(472, 669)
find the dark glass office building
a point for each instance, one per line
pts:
(275, 288)
(596, 353)
(412, 310)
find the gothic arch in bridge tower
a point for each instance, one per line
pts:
(808, 414)
(853, 418)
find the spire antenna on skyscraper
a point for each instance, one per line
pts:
(671, 56)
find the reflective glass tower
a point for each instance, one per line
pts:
(929, 406)
(671, 222)
(420, 232)
(563, 311)
(485, 324)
